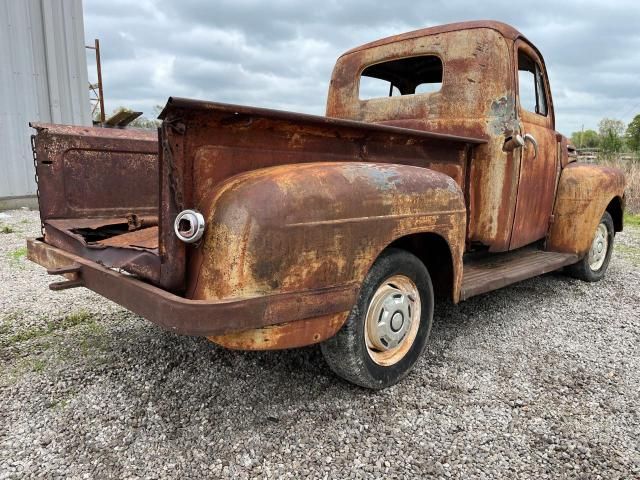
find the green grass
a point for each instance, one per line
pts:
(37, 365)
(16, 258)
(628, 249)
(13, 374)
(630, 253)
(8, 319)
(18, 253)
(69, 321)
(86, 338)
(94, 340)
(631, 219)
(26, 334)
(6, 229)
(62, 401)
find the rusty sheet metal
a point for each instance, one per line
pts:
(90, 223)
(325, 225)
(507, 31)
(97, 178)
(584, 193)
(103, 227)
(175, 178)
(286, 335)
(136, 222)
(95, 172)
(138, 260)
(477, 99)
(146, 238)
(195, 317)
(205, 143)
(538, 166)
(493, 271)
(566, 151)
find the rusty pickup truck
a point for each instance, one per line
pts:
(437, 173)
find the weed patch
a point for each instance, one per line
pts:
(37, 365)
(69, 321)
(630, 253)
(17, 255)
(631, 219)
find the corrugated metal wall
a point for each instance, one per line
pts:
(43, 77)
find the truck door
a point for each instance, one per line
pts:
(538, 157)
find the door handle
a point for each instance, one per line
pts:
(512, 142)
(533, 141)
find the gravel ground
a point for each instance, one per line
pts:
(538, 380)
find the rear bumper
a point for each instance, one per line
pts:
(192, 317)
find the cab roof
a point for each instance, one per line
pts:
(505, 30)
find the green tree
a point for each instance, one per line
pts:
(586, 139)
(633, 134)
(611, 131)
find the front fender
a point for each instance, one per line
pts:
(584, 192)
(309, 226)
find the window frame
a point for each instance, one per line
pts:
(539, 84)
(409, 95)
(547, 120)
(541, 97)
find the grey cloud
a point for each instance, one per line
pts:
(280, 54)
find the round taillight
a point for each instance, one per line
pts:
(189, 226)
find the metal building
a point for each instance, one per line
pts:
(43, 77)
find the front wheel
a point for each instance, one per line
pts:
(594, 265)
(388, 328)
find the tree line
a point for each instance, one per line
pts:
(613, 136)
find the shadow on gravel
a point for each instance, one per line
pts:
(272, 386)
(487, 310)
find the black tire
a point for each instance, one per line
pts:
(347, 353)
(582, 270)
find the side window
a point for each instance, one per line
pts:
(405, 76)
(531, 87)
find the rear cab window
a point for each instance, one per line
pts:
(406, 76)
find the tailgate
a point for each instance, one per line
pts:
(98, 194)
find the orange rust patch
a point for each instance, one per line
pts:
(284, 335)
(584, 192)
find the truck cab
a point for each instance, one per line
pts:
(477, 79)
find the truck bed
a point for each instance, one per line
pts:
(112, 195)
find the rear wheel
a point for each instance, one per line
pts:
(594, 265)
(388, 328)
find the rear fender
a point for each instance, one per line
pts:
(584, 193)
(302, 227)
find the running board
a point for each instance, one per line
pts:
(493, 271)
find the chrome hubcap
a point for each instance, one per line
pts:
(599, 248)
(392, 320)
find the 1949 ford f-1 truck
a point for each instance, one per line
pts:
(436, 173)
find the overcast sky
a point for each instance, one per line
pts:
(280, 54)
